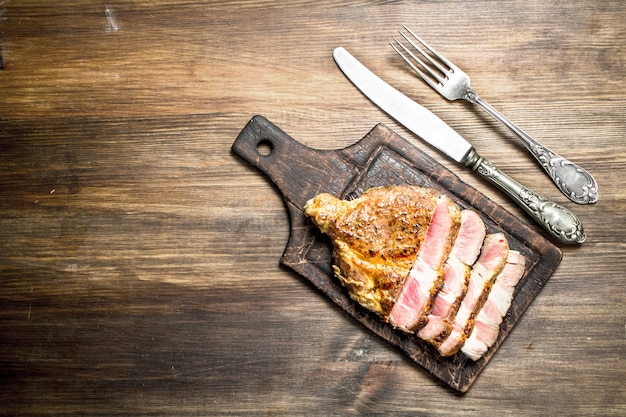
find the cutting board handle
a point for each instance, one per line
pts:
(299, 172)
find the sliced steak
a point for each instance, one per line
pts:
(488, 320)
(457, 271)
(484, 272)
(408, 254)
(425, 280)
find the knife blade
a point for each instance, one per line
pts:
(560, 222)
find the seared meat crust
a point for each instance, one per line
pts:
(376, 238)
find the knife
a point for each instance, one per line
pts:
(560, 222)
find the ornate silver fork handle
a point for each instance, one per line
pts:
(556, 219)
(573, 181)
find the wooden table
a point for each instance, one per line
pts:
(139, 258)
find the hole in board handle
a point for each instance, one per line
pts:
(265, 147)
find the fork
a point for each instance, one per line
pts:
(452, 83)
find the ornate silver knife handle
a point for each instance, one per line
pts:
(573, 181)
(556, 219)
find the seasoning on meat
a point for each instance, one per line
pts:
(410, 255)
(491, 261)
(375, 238)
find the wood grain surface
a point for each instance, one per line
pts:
(139, 258)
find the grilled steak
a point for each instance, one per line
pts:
(410, 255)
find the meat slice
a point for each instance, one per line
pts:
(492, 259)
(376, 238)
(488, 320)
(417, 296)
(457, 272)
(469, 242)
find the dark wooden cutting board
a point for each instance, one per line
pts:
(383, 158)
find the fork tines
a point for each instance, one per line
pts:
(437, 68)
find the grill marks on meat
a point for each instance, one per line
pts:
(410, 255)
(375, 239)
(416, 299)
